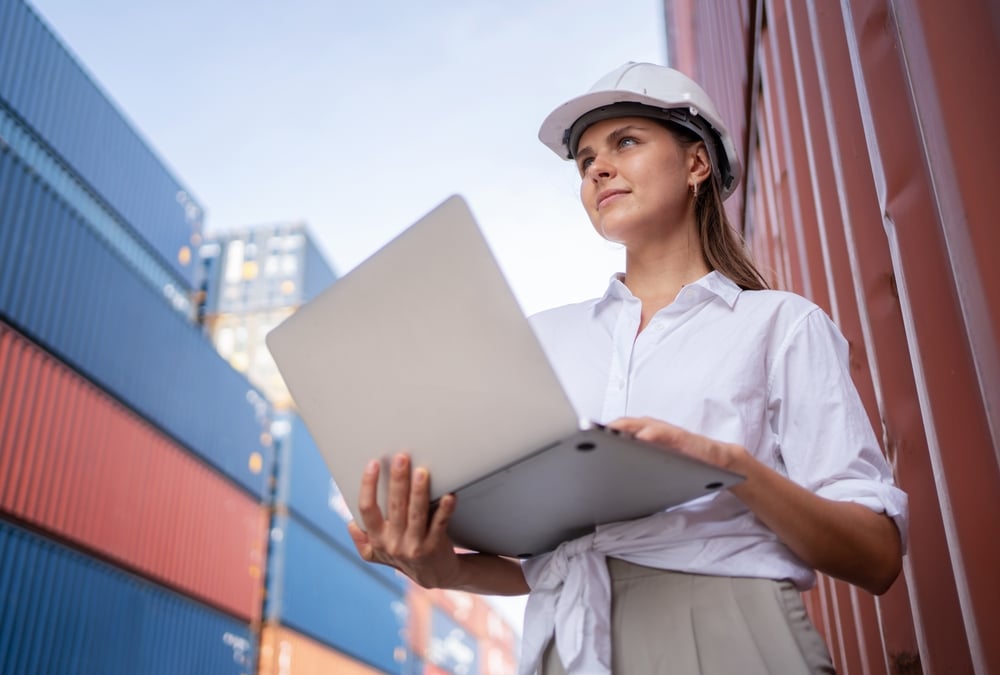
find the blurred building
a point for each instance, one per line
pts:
(133, 459)
(867, 131)
(253, 279)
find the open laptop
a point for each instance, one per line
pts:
(424, 348)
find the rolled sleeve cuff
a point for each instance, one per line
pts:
(879, 497)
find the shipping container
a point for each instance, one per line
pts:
(304, 487)
(862, 126)
(451, 647)
(286, 652)
(496, 659)
(67, 291)
(79, 464)
(304, 483)
(500, 636)
(336, 598)
(494, 640)
(98, 216)
(77, 122)
(63, 612)
(473, 612)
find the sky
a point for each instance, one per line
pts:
(359, 117)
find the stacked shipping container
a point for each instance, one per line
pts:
(42, 84)
(319, 591)
(123, 436)
(64, 612)
(77, 463)
(459, 633)
(865, 126)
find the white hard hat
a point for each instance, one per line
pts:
(646, 90)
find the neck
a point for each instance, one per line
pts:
(655, 272)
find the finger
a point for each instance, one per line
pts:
(420, 498)
(399, 492)
(361, 541)
(629, 425)
(438, 529)
(661, 434)
(371, 516)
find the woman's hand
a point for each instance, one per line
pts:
(845, 540)
(408, 539)
(708, 450)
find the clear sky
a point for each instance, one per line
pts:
(359, 117)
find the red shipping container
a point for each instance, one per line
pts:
(869, 189)
(76, 462)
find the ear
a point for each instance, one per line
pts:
(699, 164)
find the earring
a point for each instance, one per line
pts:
(694, 190)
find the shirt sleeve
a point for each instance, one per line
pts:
(824, 436)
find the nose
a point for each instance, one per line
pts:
(599, 168)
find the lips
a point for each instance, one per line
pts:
(605, 197)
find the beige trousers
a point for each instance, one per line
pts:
(672, 623)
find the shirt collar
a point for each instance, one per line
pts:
(714, 283)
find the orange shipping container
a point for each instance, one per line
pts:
(285, 652)
(77, 463)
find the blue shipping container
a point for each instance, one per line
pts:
(335, 599)
(69, 292)
(305, 485)
(451, 647)
(307, 490)
(63, 612)
(42, 82)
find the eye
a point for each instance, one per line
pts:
(585, 164)
(626, 141)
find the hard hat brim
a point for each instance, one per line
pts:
(554, 131)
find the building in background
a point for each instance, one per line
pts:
(133, 459)
(867, 128)
(253, 279)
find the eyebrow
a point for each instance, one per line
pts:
(612, 138)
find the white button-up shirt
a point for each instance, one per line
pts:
(767, 370)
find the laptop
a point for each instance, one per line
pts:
(423, 348)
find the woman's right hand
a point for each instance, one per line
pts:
(410, 541)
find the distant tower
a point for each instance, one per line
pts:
(254, 278)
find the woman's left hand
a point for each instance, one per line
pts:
(842, 539)
(724, 455)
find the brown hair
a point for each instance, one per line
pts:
(722, 246)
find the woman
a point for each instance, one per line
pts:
(686, 349)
